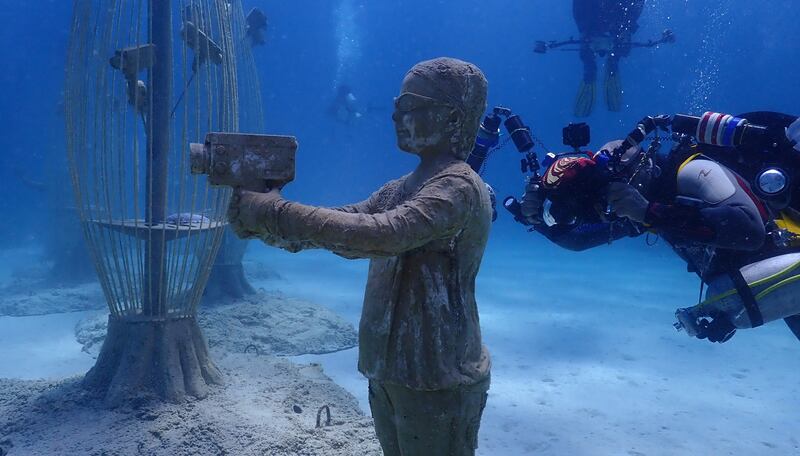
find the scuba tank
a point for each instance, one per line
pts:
(774, 283)
(762, 148)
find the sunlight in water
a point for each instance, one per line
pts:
(712, 47)
(348, 39)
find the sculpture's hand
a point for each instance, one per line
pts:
(247, 212)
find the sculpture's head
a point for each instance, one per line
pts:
(439, 108)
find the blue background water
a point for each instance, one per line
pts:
(731, 55)
(608, 308)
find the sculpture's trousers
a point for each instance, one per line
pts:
(427, 423)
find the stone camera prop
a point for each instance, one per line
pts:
(251, 162)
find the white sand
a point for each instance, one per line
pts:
(267, 407)
(25, 287)
(585, 359)
(265, 323)
(41, 347)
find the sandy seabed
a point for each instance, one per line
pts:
(268, 406)
(585, 363)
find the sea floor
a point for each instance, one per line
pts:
(585, 360)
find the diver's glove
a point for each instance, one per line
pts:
(248, 212)
(532, 203)
(718, 329)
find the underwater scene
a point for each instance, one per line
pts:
(401, 228)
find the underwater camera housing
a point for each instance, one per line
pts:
(251, 162)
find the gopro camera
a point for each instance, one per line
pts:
(576, 135)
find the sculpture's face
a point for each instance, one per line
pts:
(423, 124)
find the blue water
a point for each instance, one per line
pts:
(730, 56)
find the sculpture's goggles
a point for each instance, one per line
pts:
(408, 101)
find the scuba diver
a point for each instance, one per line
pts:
(606, 30)
(345, 107)
(721, 198)
(256, 27)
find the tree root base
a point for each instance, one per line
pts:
(165, 359)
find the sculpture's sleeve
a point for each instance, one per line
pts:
(438, 210)
(289, 246)
(367, 206)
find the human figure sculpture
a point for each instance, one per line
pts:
(425, 233)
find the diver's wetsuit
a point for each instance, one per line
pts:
(600, 17)
(734, 225)
(615, 19)
(722, 231)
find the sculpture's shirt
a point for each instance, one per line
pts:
(419, 325)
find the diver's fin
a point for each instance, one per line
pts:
(794, 324)
(584, 101)
(613, 91)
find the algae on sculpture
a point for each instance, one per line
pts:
(425, 233)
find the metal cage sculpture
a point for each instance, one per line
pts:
(144, 79)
